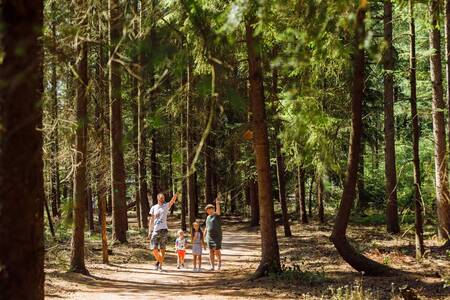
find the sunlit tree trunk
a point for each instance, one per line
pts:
(420, 249)
(362, 202)
(338, 236)
(279, 156)
(101, 129)
(320, 198)
(438, 105)
(80, 184)
(303, 217)
(119, 209)
(142, 134)
(55, 182)
(21, 165)
(270, 256)
(190, 186)
(389, 124)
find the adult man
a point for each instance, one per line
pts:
(213, 233)
(158, 230)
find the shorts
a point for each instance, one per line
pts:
(159, 239)
(181, 253)
(214, 243)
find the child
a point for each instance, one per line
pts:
(180, 247)
(198, 244)
(213, 234)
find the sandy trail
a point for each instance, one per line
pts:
(142, 281)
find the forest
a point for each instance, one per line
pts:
(315, 133)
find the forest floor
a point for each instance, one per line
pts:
(313, 269)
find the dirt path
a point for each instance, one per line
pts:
(313, 269)
(141, 281)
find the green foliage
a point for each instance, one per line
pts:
(295, 275)
(352, 292)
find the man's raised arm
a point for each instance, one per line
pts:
(172, 201)
(218, 199)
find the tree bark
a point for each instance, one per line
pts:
(101, 129)
(438, 106)
(362, 202)
(141, 145)
(254, 203)
(54, 137)
(420, 248)
(154, 169)
(320, 196)
(303, 217)
(338, 236)
(270, 256)
(389, 124)
(90, 210)
(80, 192)
(447, 53)
(310, 196)
(21, 165)
(118, 187)
(135, 110)
(190, 186)
(183, 143)
(279, 156)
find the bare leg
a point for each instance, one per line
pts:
(199, 261)
(219, 258)
(156, 255)
(163, 253)
(211, 258)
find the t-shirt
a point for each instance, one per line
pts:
(159, 212)
(214, 226)
(180, 243)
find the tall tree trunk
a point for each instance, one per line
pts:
(190, 186)
(447, 53)
(389, 124)
(254, 203)
(21, 165)
(90, 210)
(183, 143)
(270, 256)
(135, 111)
(55, 184)
(142, 140)
(320, 198)
(196, 198)
(338, 236)
(440, 159)
(118, 187)
(208, 172)
(420, 248)
(80, 192)
(101, 128)
(154, 169)
(362, 202)
(310, 196)
(49, 219)
(303, 217)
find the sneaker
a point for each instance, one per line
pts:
(195, 270)
(182, 265)
(199, 269)
(157, 266)
(160, 268)
(178, 266)
(212, 268)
